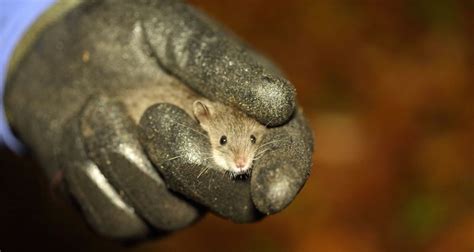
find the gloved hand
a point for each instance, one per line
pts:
(66, 101)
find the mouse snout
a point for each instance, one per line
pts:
(240, 162)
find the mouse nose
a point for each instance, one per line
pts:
(240, 162)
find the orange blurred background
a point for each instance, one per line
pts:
(388, 87)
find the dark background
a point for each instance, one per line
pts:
(388, 87)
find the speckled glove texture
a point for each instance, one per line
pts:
(65, 100)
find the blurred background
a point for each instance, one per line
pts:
(388, 87)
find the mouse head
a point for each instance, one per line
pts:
(234, 136)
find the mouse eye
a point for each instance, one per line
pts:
(223, 140)
(253, 139)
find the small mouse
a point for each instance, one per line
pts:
(236, 139)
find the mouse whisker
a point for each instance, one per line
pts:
(176, 157)
(231, 174)
(260, 154)
(203, 161)
(279, 135)
(225, 173)
(268, 123)
(203, 171)
(261, 151)
(192, 129)
(206, 155)
(271, 142)
(182, 155)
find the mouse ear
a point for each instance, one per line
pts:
(202, 110)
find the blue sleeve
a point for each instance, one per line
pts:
(15, 18)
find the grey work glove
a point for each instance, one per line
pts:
(68, 101)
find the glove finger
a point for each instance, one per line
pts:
(111, 141)
(283, 165)
(104, 209)
(214, 63)
(101, 204)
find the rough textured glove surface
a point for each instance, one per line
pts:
(65, 99)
